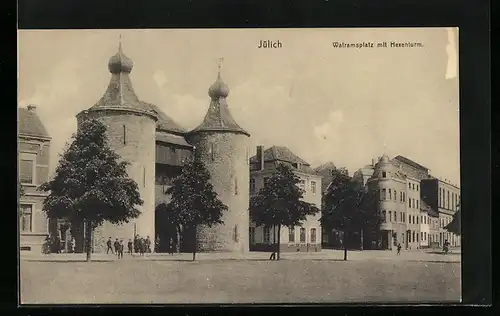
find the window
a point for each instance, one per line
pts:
(211, 151)
(384, 174)
(313, 235)
(409, 203)
(390, 194)
(302, 184)
(417, 220)
(395, 217)
(26, 169)
(440, 197)
(390, 216)
(291, 234)
(383, 217)
(448, 200)
(251, 233)
(235, 186)
(384, 194)
(417, 187)
(417, 204)
(409, 185)
(417, 236)
(421, 236)
(404, 217)
(421, 219)
(404, 197)
(267, 234)
(413, 236)
(395, 195)
(236, 236)
(25, 220)
(302, 234)
(413, 186)
(124, 135)
(425, 235)
(313, 187)
(266, 179)
(401, 217)
(252, 185)
(400, 196)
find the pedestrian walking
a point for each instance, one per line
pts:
(129, 246)
(109, 247)
(171, 246)
(399, 249)
(136, 244)
(72, 243)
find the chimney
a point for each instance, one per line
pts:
(31, 108)
(260, 157)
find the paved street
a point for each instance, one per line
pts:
(368, 276)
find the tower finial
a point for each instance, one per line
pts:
(120, 43)
(221, 60)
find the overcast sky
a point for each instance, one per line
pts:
(345, 105)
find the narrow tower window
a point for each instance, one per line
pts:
(236, 236)
(144, 176)
(124, 135)
(235, 186)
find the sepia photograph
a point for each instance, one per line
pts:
(239, 166)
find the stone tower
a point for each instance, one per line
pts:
(223, 146)
(131, 126)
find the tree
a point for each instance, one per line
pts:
(279, 203)
(193, 200)
(91, 184)
(455, 225)
(349, 206)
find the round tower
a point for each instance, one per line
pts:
(131, 126)
(223, 146)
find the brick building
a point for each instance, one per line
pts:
(33, 170)
(157, 147)
(306, 238)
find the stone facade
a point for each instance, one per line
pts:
(225, 155)
(132, 136)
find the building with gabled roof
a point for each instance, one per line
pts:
(306, 238)
(33, 145)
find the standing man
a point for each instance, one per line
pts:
(120, 249)
(117, 246)
(148, 245)
(399, 249)
(109, 246)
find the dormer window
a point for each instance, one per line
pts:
(384, 174)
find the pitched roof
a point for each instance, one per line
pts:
(411, 163)
(165, 123)
(280, 153)
(326, 166)
(30, 124)
(171, 139)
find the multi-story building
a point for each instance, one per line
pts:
(392, 186)
(305, 238)
(33, 170)
(444, 197)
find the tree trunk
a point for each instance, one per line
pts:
(345, 244)
(88, 237)
(362, 241)
(178, 239)
(278, 243)
(194, 242)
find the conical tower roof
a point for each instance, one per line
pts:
(218, 117)
(120, 94)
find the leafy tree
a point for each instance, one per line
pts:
(349, 206)
(279, 203)
(455, 225)
(91, 184)
(193, 200)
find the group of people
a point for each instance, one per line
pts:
(115, 247)
(446, 247)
